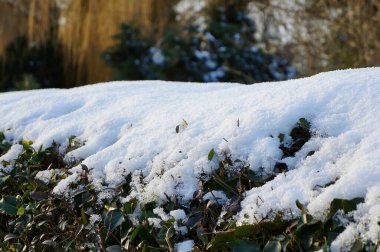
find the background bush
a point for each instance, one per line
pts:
(23, 67)
(224, 50)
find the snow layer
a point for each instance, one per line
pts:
(130, 127)
(185, 246)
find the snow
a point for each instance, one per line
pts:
(12, 154)
(185, 246)
(47, 175)
(178, 214)
(94, 218)
(216, 197)
(129, 127)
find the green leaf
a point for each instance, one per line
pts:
(144, 234)
(306, 231)
(113, 219)
(281, 136)
(331, 236)
(2, 136)
(310, 153)
(357, 246)
(303, 123)
(302, 208)
(16, 246)
(284, 244)
(135, 233)
(221, 240)
(84, 217)
(130, 206)
(4, 179)
(50, 243)
(114, 248)
(147, 211)
(247, 230)
(26, 143)
(21, 211)
(343, 204)
(300, 205)
(4, 146)
(272, 246)
(211, 154)
(10, 236)
(126, 228)
(8, 204)
(244, 246)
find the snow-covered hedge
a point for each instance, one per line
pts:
(167, 137)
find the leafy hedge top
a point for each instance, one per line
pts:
(32, 218)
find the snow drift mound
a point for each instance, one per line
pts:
(162, 133)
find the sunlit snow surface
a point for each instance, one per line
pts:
(130, 127)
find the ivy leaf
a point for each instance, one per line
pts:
(26, 143)
(346, 205)
(144, 234)
(4, 179)
(113, 219)
(38, 196)
(211, 154)
(50, 243)
(129, 207)
(306, 231)
(244, 246)
(281, 136)
(21, 211)
(299, 205)
(84, 217)
(357, 246)
(8, 204)
(114, 248)
(220, 241)
(135, 233)
(272, 246)
(10, 236)
(4, 147)
(303, 123)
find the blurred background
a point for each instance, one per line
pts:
(67, 43)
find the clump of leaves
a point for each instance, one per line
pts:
(301, 234)
(73, 144)
(300, 135)
(33, 218)
(4, 146)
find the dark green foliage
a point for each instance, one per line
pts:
(211, 155)
(8, 205)
(233, 44)
(300, 134)
(225, 50)
(32, 218)
(4, 146)
(131, 55)
(25, 67)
